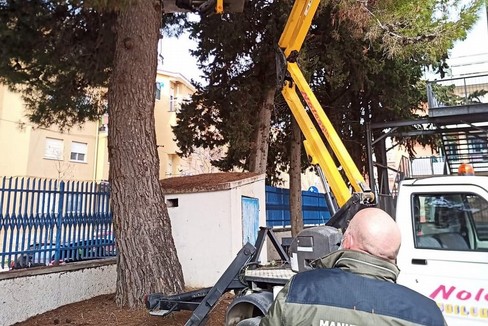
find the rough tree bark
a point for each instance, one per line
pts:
(259, 154)
(147, 259)
(296, 214)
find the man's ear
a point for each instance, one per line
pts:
(346, 242)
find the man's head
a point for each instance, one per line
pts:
(375, 232)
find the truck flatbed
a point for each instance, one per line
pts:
(278, 275)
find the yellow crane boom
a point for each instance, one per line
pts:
(290, 43)
(320, 137)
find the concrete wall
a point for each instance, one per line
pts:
(202, 236)
(27, 293)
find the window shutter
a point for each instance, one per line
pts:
(78, 151)
(54, 149)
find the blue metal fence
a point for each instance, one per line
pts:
(314, 207)
(45, 222)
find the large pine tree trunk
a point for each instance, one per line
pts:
(296, 215)
(259, 154)
(147, 259)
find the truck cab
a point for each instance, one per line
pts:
(444, 253)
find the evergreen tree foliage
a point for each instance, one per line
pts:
(357, 83)
(57, 53)
(236, 53)
(364, 60)
(59, 56)
(413, 28)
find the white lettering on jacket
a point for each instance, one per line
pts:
(334, 323)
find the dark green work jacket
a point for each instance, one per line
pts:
(350, 288)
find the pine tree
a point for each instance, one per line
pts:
(237, 54)
(364, 60)
(57, 54)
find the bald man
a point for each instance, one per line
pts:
(356, 284)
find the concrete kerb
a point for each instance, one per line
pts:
(29, 292)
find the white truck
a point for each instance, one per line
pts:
(444, 253)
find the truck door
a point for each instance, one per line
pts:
(444, 252)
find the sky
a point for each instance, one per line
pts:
(177, 58)
(467, 56)
(471, 55)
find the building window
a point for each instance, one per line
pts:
(173, 98)
(157, 89)
(173, 102)
(54, 149)
(78, 152)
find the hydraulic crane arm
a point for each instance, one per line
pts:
(294, 83)
(204, 7)
(296, 90)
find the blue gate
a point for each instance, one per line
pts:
(314, 207)
(45, 222)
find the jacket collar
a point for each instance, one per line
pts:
(359, 263)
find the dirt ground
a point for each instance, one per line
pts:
(101, 311)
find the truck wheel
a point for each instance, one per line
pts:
(250, 321)
(247, 310)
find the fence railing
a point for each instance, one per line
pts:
(427, 166)
(314, 207)
(470, 90)
(46, 222)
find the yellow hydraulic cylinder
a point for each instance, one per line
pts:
(340, 151)
(219, 7)
(316, 147)
(297, 26)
